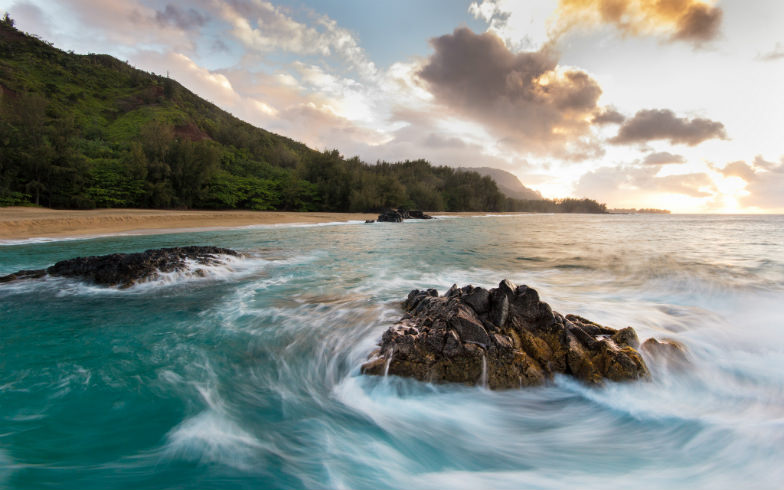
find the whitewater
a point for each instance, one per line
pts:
(245, 374)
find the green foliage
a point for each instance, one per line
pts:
(83, 131)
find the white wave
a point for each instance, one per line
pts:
(299, 225)
(213, 437)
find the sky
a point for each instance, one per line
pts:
(674, 104)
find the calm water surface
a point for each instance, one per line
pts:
(249, 377)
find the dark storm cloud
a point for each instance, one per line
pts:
(663, 124)
(663, 158)
(521, 98)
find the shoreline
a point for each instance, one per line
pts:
(22, 223)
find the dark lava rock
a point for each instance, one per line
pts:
(398, 215)
(124, 270)
(370, 221)
(505, 337)
(390, 216)
(415, 214)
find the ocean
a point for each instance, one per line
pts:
(248, 376)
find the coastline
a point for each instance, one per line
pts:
(21, 223)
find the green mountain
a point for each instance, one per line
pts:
(85, 131)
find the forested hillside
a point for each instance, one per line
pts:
(86, 131)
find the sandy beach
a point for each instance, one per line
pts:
(18, 223)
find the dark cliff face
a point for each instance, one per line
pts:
(124, 270)
(501, 338)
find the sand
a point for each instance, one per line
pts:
(21, 223)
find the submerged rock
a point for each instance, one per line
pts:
(124, 270)
(502, 338)
(667, 352)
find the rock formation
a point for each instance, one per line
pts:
(398, 215)
(124, 270)
(501, 338)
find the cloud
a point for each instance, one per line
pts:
(264, 27)
(522, 25)
(32, 18)
(662, 124)
(608, 116)
(677, 20)
(524, 99)
(776, 54)
(699, 23)
(663, 158)
(739, 169)
(130, 23)
(764, 182)
(184, 19)
(626, 185)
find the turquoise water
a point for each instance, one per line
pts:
(249, 377)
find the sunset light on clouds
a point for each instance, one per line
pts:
(672, 104)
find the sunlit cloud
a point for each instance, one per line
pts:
(695, 21)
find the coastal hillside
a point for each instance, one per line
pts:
(507, 183)
(86, 131)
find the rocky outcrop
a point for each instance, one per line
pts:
(124, 270)
(398, 215)
(502, 338)
(667, 352)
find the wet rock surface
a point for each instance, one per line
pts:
(124, 270)
(398, 215)
(502, 338)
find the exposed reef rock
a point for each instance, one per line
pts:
(502, 338)
(124, 270)
(398, 215)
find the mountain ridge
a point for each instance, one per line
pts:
(508, 183)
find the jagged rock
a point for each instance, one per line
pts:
(124, 270)
(506, 337)
(398, 215)
(390, 216)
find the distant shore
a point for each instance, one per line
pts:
(19, 223)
